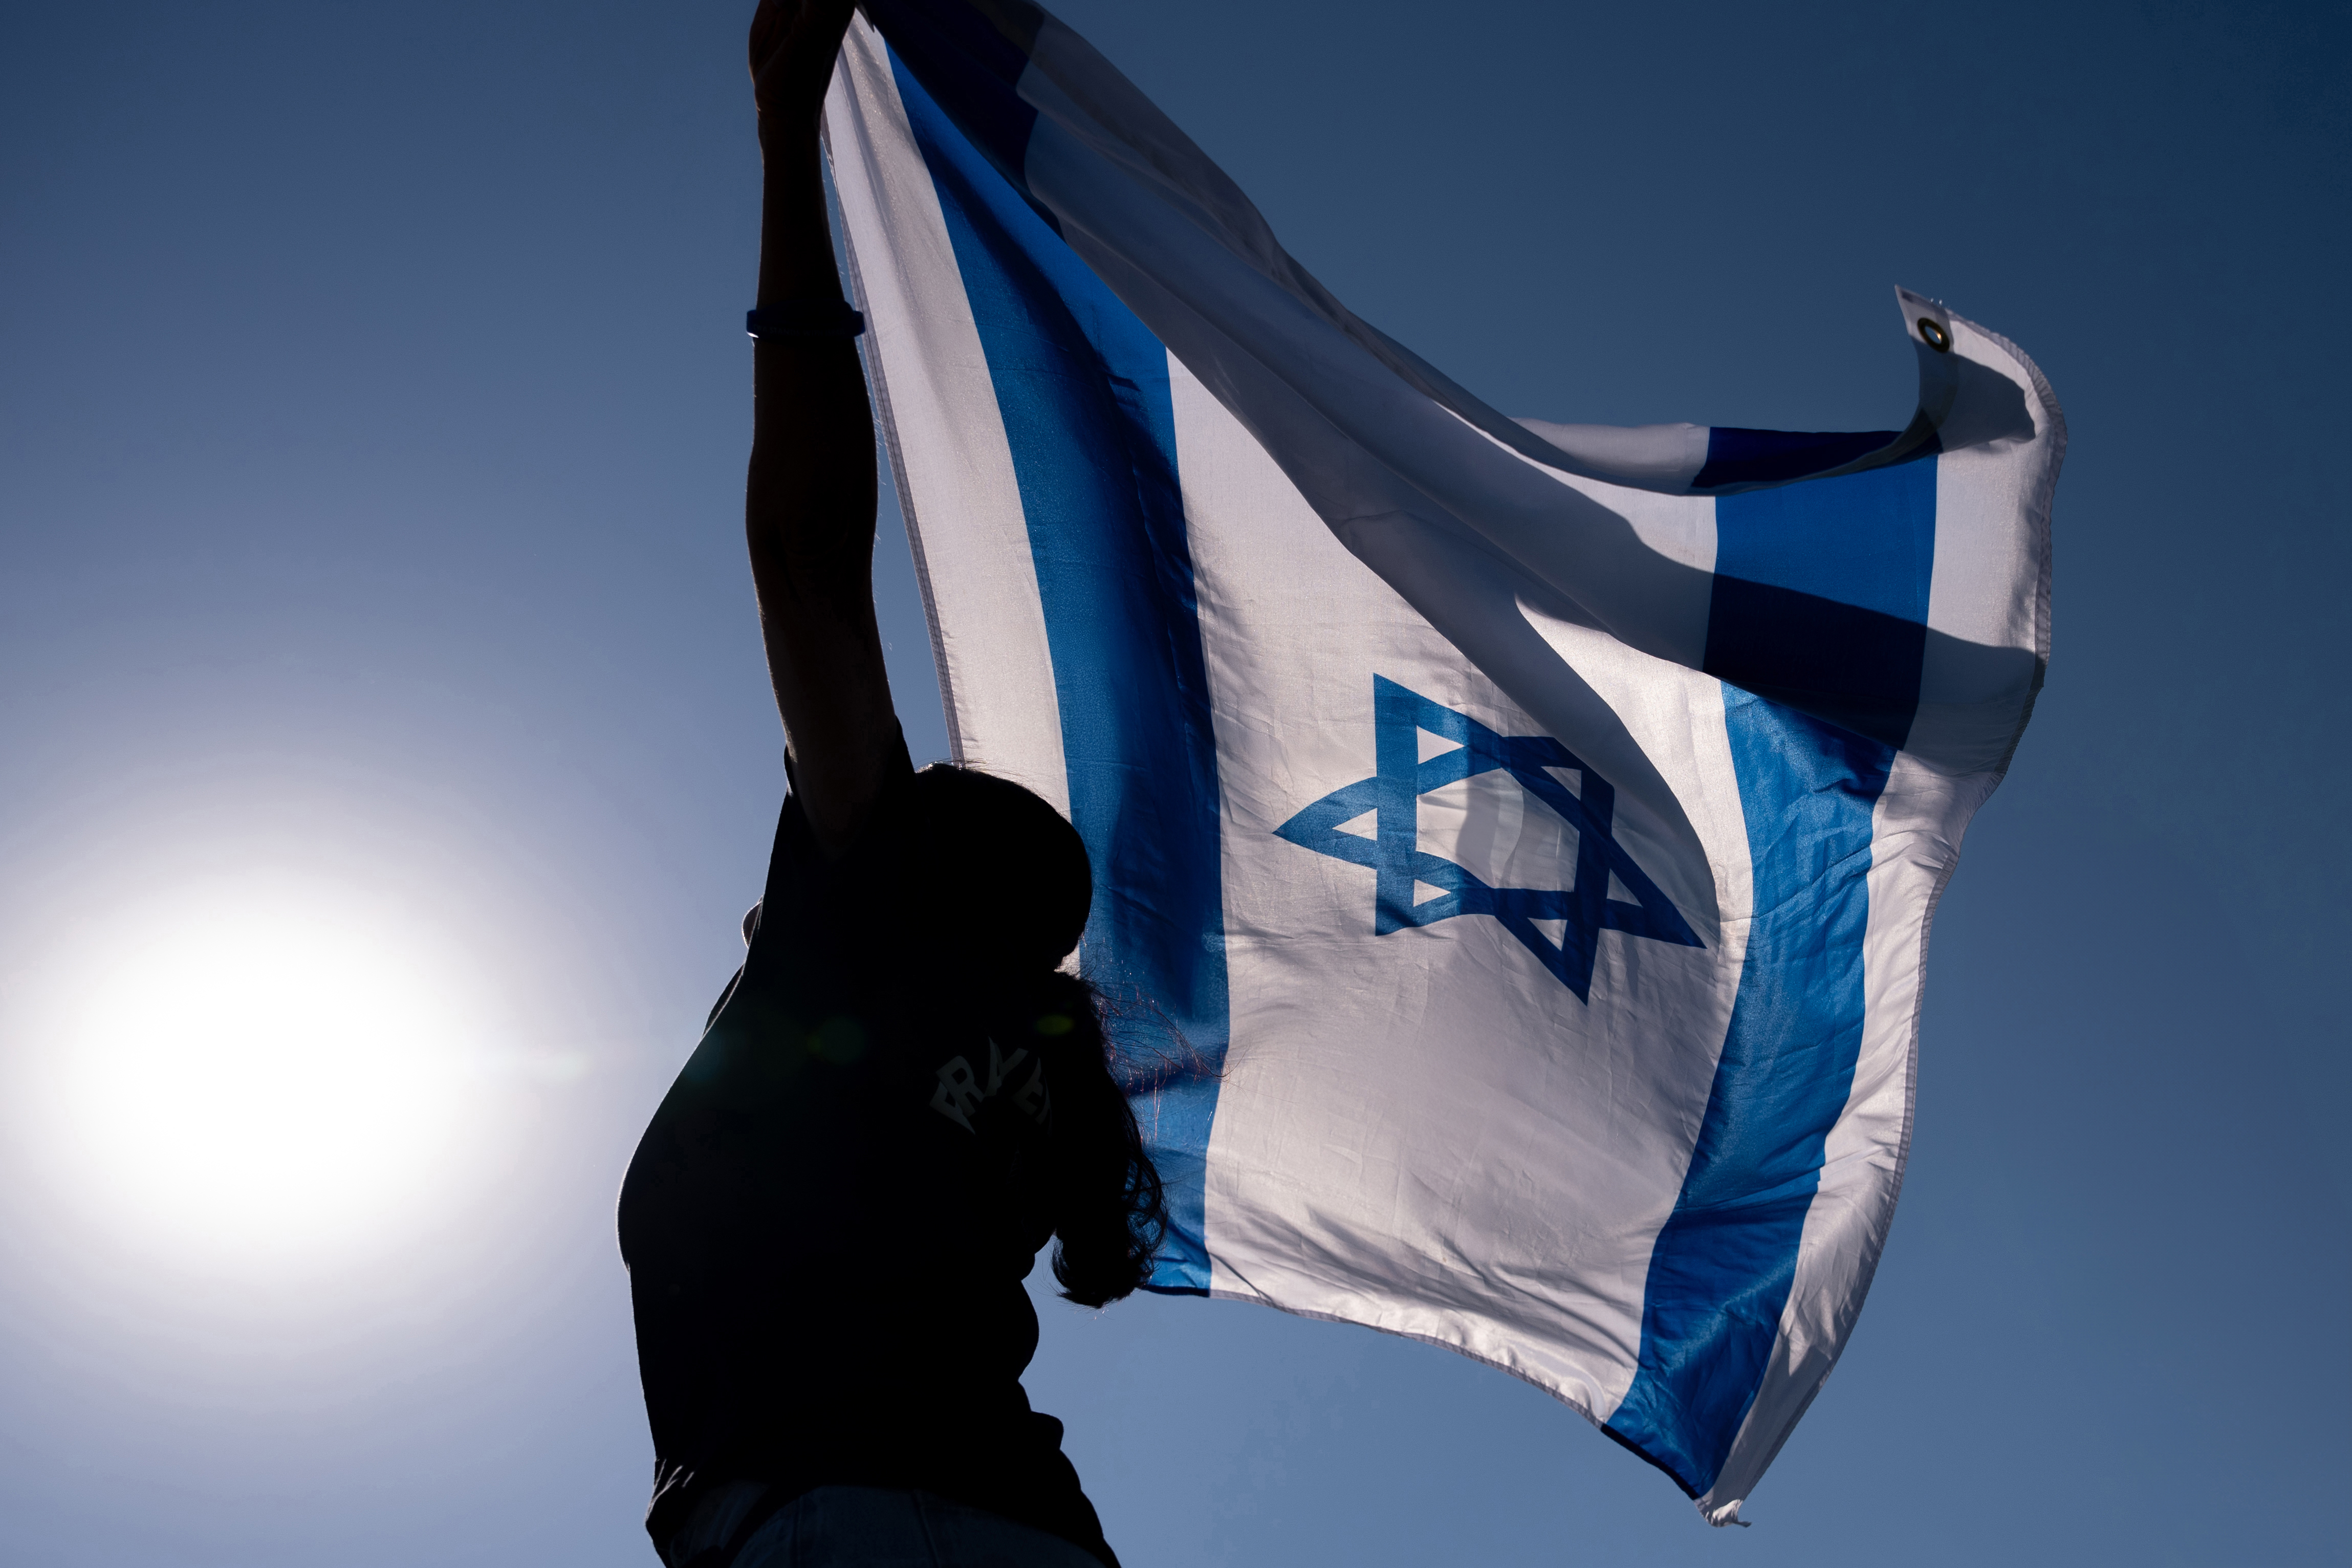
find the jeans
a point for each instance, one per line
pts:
(866, 1527)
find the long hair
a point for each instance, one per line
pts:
(1032, 887)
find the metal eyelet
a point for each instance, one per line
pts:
(1932, 332)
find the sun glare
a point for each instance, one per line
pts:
(266, 1069)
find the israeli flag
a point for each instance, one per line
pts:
(1515, 843)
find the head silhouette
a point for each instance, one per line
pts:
(1023, 870)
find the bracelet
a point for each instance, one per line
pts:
(805, 318)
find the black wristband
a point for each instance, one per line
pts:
(805, 318)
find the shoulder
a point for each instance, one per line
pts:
(802, 861)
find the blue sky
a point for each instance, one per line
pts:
(370, 448)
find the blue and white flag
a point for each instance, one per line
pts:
(1519, 840)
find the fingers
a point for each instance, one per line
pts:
(817, 38)
(792, 46)
(797, 31)
(768, 25)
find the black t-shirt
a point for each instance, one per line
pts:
(828, 1222)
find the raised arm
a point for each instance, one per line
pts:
(809, 497)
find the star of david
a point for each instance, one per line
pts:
(1609, 893)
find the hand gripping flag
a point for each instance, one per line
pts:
(1514, 842)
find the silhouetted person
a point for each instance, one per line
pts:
(900, 1097)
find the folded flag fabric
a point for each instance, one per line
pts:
(1515, 843)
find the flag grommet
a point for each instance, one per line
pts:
(1932, 332)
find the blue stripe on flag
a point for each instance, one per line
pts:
(1083, 394)
(1722, 1267)
(1821, 595)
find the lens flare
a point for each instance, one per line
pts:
(266, 1069)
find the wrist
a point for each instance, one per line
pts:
(821, 314)
(790, 128)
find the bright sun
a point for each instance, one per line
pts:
(265, 1068)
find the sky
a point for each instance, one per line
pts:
(376, 648)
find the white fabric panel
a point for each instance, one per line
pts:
(1388, 1148)
(953, 463)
